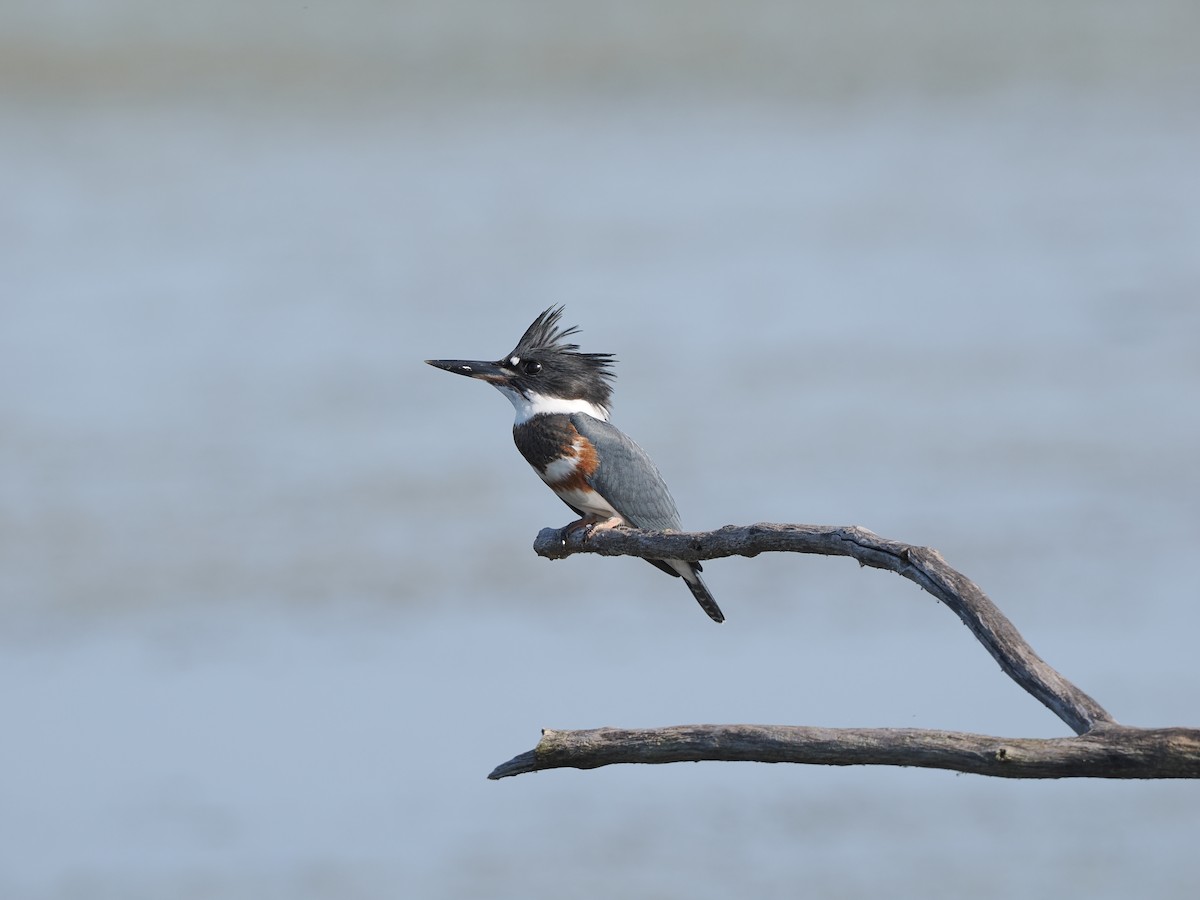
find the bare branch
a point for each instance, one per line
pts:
(1110, 751)
(922, 565)
(1101, 749)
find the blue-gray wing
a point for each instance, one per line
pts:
(627, 478)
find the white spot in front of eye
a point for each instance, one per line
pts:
(514, 360)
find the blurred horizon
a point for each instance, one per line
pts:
(816, 52)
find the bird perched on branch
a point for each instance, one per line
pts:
(561, 397)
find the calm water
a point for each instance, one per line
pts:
(268, 608)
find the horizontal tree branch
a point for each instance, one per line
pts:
(1109, 751)
(922, 565)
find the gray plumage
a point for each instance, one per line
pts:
(628, 480)
(627, 477)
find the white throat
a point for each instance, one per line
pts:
(537, 404)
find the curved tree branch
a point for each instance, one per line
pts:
(1103, 749)
(921, 565)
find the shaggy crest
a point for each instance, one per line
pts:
(564, 370)
(545, 336)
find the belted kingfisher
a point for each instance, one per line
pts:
(561, 397)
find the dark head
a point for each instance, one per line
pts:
(542, 369)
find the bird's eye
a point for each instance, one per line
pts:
(531, 367)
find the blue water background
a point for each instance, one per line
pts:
(268, 608)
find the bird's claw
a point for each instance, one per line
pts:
(579, 525)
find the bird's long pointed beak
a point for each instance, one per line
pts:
(472, 368)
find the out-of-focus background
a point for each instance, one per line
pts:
(268, 608)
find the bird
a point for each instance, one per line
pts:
(561, 398)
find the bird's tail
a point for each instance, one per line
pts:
(690, 573)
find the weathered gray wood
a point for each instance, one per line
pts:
(1100, 749)
(921, 565)
(1109, 751)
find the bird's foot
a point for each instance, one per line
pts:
(570, 528)
(589, 527)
